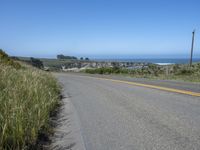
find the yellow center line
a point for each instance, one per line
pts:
(153, 86)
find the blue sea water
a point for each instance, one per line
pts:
(155, 60)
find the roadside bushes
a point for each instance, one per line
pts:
(151, 70)
(106, 70)
(177, 71)
(27, 97)
(185, 71)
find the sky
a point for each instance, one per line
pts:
(100, 28)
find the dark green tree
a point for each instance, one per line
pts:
(61, 56)
(36, 63)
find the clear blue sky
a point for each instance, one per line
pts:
(99, 28)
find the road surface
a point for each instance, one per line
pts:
(119, 116)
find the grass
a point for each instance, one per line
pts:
(27, 97)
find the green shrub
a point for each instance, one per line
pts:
(185, 71)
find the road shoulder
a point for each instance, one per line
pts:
(67, 131)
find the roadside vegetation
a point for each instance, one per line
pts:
(171, 72)
(27, 98)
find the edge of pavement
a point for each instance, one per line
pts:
(68, 133)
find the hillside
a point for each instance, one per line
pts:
(27, 97)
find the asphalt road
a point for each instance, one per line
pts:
(119, 116)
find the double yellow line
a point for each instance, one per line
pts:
(153, 86)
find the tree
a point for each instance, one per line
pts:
(61, 56)
(36, 63)
(81, 58)
(87, 58)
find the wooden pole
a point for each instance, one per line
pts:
(192, 48)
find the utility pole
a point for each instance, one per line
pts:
(192, 48)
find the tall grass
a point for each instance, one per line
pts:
(27, 96)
